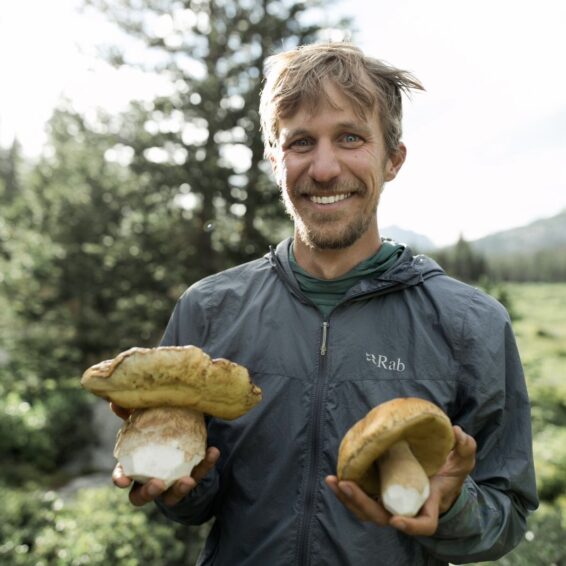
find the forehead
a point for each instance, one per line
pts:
(333, 109)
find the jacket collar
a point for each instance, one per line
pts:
(409, 270)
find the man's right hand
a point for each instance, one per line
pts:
(140, 494)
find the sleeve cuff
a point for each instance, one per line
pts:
(457, 506)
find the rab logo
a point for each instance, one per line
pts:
(384, 362)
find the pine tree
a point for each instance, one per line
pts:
(203, 138)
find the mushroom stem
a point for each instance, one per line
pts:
(161, 442)
(404, 483)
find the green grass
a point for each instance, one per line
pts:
(540, 327)
(539, 323)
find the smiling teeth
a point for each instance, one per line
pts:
(329, 200)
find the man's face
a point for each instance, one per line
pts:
(331, 166)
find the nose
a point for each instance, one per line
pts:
(325, 165)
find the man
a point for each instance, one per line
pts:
(332, 323)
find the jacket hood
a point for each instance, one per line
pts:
(407, 271)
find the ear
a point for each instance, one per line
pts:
(395, 162)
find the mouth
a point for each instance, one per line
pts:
(332, 199)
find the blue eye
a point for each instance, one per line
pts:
(351, 138)
(301, 144)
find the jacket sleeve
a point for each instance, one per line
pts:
(489, 518)
(186, 326)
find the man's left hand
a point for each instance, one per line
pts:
(445, 487)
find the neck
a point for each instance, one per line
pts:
(331, 264)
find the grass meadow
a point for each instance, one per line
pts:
(539, 321)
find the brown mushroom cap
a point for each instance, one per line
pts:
(174, 376)
(421, 423)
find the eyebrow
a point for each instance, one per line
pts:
(355, 126)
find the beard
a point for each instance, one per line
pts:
(324, 230)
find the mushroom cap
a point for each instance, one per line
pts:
(424, 426)
(174, 376)
(163, 442)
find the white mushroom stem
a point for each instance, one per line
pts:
(163, 442)
(404, 483)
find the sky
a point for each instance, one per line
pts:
(486, 141)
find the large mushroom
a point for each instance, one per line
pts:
(170, 389)
(394, 449)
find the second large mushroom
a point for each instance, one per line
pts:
(394, 449)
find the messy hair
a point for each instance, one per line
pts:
(297, 77)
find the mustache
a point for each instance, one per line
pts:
(310, 187)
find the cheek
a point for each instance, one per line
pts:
(369, 171)
(289, 171)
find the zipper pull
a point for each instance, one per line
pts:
(325, 326)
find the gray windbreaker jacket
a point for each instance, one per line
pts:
(412, 331)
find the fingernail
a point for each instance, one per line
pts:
(184, 488)
(153, 491)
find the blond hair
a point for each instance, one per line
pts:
(298, 77)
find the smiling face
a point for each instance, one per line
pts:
(331, 165)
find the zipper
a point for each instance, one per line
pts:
(312, 469)
(324, 340)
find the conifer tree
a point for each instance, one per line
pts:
(201, 142)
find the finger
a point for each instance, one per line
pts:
(342, 495)
(142, 494)
(465, 444)
(184, 486)
(424, 524)
(181, 488)
(119, 478)
(332, 483)
(201, 470)
(363, 506)
(463, 456)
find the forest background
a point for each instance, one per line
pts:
(103, 231)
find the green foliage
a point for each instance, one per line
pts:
(10, 164)
(41, 436)
(203, 138)
(473, 262)
(97, 527)
(462, 262)
(540, 327)
(545, 265)
(97, 254)
(541, 335)
(543, 544)
(550, 462)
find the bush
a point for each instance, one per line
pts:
(98, 527)
(42, 435)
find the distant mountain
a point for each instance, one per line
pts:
(416, 241)
(541, 234)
